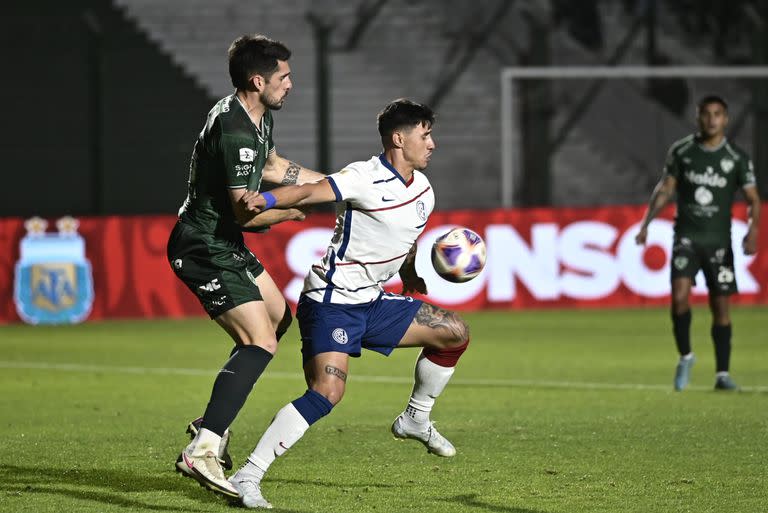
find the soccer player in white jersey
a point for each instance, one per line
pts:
(383, 206)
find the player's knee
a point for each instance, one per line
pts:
(723, 319)
(462, 332)
(721, 315)
(268, 343)
(680, 303)
(457, 333)
(446, 356)
(333, 392)
(284, 323)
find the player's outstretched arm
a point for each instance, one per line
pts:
(274, 216)
(411, 280)
(749, 244)
(661, 195)
(253, 220)
(282, 171)
(289, 196)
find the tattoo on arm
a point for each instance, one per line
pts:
(334, 371)
(437, 318)
(291, 176)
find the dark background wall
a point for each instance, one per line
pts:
(63, 153)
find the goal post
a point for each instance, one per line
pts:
(511, 139)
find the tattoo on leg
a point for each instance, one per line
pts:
(291, 176)
(437, 318)
(333, 371)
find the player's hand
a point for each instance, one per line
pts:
(413, 284)
(641, 236)
(749, 244)
(296, 214)
(252, 202)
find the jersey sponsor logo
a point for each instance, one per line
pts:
(680, 262)
(709, 178)
(243, 169)
(719, 256)
(219, 301)
(703, 196)
(421, 210)
(727, 165)
(340, 336)
(246, 155)
(749, 176)
(725, 275)
(210, 286)
(177, 264)
(53, 289)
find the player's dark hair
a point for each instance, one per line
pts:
(254, 55)
(403, 113)
(711, 98)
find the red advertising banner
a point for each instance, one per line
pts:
(542, 257)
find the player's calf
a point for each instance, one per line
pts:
(287, 428)
(434, 369)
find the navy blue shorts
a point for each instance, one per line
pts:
(378, 325)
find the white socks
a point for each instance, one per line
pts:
(286, 429)
(429, 381)
(204, 441)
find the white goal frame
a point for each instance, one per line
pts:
(510, 130)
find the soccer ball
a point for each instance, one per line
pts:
(459, 255)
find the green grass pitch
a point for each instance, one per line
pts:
(551, 411)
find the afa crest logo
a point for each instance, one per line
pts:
(54, 283)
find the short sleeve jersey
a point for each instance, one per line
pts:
(230, 153)
(379, 217)
(706, 182)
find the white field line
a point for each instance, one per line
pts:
(469, 382)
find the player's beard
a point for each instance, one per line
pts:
(271, 102)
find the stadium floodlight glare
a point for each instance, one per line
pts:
(510, 131)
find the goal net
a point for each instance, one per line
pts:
(599, 135)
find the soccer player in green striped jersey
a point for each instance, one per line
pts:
(232, 155)
(705, 169)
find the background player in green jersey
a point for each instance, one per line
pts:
(705, 169)
(232, 155)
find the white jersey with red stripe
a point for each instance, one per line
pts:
(379, 216)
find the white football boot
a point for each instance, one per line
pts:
(425, 433)
(250, 490)
(206, 469)
(226, 459)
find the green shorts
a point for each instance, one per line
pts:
(221, 274)
(716, 262)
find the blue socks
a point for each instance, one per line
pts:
(312, 406)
